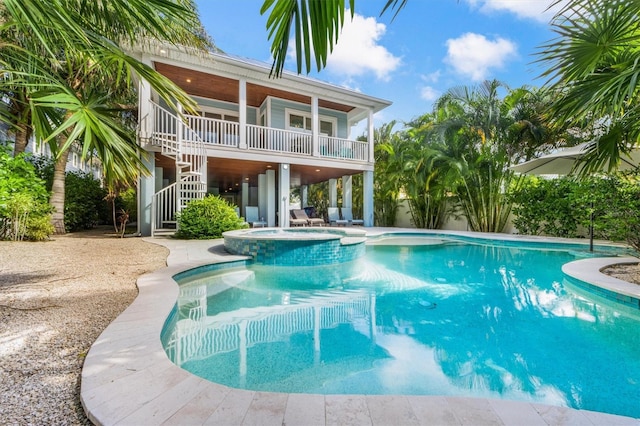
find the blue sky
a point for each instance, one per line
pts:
(430, 47)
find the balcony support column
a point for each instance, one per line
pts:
(146, 189)
(245, 196)
(284, 188)
(304, 196)
(145, 112)
(315, 126)
(271, 198)
(347, 192)
(242, 113)
(370, 134)
(367, 197)
(262, 195)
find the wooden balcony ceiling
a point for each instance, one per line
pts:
(211, 86)
(232, 173)
(227, 173)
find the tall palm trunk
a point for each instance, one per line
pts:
(57, 192)
(23, 133)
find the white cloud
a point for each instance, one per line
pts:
(428, 93)
(358, 50)
(528, 9)
(473, 55)
(431, 78)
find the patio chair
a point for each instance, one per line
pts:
(296, 222)
(334, 217)
(311, 221)
(347, 215)
(252, 217)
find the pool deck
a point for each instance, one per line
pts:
(128, 380)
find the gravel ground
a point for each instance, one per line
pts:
(630, 273)
(56, 297)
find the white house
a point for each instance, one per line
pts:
(254, 139)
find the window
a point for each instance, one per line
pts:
(326, 128)
(302, 121)
(299, 122)
(221, 115)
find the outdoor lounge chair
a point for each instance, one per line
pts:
(252, 217)
(311, 221)
(348, 216)
(296, 222)
(334, 217)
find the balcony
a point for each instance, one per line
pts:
(227, 134)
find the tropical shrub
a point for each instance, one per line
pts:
(207, 218)
(546, 207)
(318, 198)
(43, 167)
(563, 207)
(387, 174)
(129, 203)
(85, 196)
(615, 203)
(39, 227)
(23, 200)
(84, 202)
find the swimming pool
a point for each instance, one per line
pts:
(451, 318)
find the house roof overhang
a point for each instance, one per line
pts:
(199, 73)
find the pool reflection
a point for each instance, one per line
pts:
(456, 320)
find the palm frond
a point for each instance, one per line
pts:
(316, 25)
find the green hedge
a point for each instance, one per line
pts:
(562, 207)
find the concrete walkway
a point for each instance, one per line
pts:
(128, 380)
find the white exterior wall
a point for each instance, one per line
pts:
(403, 220)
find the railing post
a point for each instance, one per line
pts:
(315, 127)
(370, 136)
(179, 159)
(242, 105)
(153, 214)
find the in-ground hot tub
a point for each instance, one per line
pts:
(299, 246)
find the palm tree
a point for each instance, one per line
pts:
(593, 68)
(316, 26)
(387, 174)
(72, 72)
(471, 136)
(424, 176)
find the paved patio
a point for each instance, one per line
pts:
(128, 380)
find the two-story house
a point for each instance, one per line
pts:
(253, 140)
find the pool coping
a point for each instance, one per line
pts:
(127, 379)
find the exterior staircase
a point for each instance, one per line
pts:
(182, 144)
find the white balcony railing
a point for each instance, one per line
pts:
(268, 139)
(343, 148)
(216, 132)
(227, 134)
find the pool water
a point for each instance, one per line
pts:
(457, 319)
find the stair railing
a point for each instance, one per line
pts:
(181, 143)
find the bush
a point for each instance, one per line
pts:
(84, 205)
(39, 227)
(129, 203)
(44, 168)
(23, 200)
(615, 202)
(207, 218)
(560, 207)
(546, 207)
